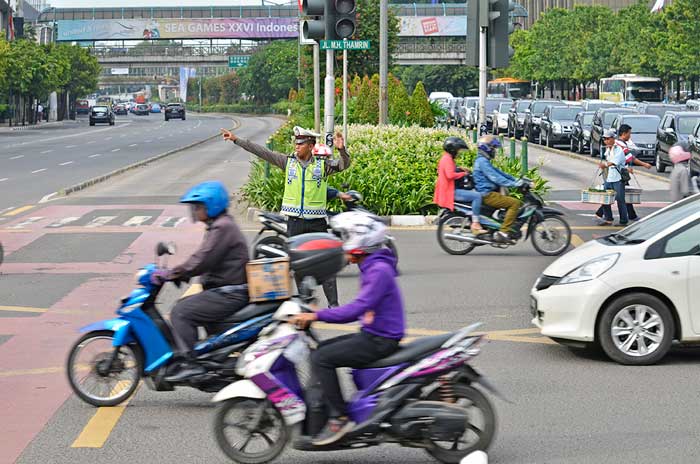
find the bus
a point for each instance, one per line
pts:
(507, 87)
(622, 88)
(105, 101)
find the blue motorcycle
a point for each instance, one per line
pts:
(106, 364)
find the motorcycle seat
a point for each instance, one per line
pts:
(251, 311)
(411, 351)
(273, 217)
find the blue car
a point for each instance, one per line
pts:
(155, 108)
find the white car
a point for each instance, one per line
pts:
(500, 117)
(632, 293)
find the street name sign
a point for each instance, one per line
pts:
(345, 45)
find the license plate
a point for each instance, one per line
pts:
(533, 306)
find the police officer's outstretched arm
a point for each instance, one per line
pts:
(273, 157)
(338, 164)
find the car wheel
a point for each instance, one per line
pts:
(184, 119)
(166, 118)
(92, 123)
(580, 146)
(572, 147)
(636, 329)
(592, 150)
(660, 166)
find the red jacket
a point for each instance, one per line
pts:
(445, 185)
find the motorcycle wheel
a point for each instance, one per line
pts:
(274, 241)
(449, 226)
(552, 236)
(269, 436)
(476, 437)
(97, 387)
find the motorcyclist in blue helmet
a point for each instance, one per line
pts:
(488, 180)
(219, 262)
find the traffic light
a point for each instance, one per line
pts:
(500, 28)
(331, 19)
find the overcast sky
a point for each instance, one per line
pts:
(156, 3)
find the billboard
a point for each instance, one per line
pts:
(120, 71)
(163, 28)
(427, 26)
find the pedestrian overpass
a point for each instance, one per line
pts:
(148, 45)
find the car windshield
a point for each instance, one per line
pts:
(472, 103)
(656, 223)
(504, 107)
(99, 109)
(523, 105)
(595, 106)
(687, 124)
(539, 107)
(642, 125)
(491, 105)
(587, 119)
(565, 114)
(608, 118)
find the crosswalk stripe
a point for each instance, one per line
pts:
(63, 221)
(172, 221)
(26, 222)
(100, 221)
(137, 221)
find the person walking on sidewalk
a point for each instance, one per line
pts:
(305, 192)
(612, 165)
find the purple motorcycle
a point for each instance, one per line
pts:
(422, 396)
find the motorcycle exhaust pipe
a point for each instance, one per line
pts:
(467, 238)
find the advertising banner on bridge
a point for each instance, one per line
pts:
(426, 26)
(164, 28)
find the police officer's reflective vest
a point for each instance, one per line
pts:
(305, 189)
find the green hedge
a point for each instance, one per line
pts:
(394, 168)
(234, 108)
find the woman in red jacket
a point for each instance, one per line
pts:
(445, 192)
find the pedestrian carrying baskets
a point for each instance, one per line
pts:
(598, 197)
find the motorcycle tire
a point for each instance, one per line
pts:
(562, 227)
(274, 241)
(273, 418)
(453, 247)
(72, 369)
(484, 437)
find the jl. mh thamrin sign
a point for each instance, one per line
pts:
(160, 28)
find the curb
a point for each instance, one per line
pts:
(392, 221)
(96, 180)
(592, 161)
(38, 126)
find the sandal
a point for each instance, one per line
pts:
(478, 230)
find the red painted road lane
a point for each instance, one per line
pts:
(28, 396)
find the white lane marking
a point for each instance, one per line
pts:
(17, 157)
(122, 136)
(134, 145)
(63, 221)
(71, 146)
(149, 141)
(95, 155)
(137, 221)
(66, 163)
(199, 123)
(45, 152)
(173, 222)
(100, 221)
(91, 141)
(161, 138)
(116, 150)
(4, 179)
(49, 197)
(39, 170)
(108, 138)
(26, 222)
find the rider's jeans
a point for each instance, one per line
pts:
(352, 350)
(498, 201)
(619, 188)
(470, 196)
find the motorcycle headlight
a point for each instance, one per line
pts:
(590, 270)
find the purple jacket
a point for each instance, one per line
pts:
(380, 293)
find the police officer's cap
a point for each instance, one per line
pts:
(303, 135)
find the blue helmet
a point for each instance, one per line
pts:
(488, 144)
(212, 195)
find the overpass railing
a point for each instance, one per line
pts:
(111, 51)
(427, 47)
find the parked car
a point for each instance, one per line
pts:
(658, 109)
(531, 125)
(516, 117)
(643, 132)
(436, 96)
(101, 114)
(556, 124)
(593, 105)
(175, 110)
(491, 105)
(632, 293)
(602, 120)
(675, 127)
(82, 107)
(581, 131)
(155, 108)
(121, 109)
(453, 105)
(142, 109)
(468, 112)
(694, 142)
(499, 120)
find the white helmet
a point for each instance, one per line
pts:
(362, 233)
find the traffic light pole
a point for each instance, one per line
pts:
(317, 90)
(345, 92)
(329, 100)
(483, 76)
(383, 61)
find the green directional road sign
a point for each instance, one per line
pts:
(344, 44)
(238, 61)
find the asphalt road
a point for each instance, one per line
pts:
(567, 407)
(36, 163)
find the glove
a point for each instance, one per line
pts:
(160, 276)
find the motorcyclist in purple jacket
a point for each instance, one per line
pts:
(378, 306)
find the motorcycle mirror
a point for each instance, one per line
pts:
(165, 248)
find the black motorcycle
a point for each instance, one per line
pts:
(277, 224)
(550, 233)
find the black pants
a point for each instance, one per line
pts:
(298, 226)
(353, 350)
(204, 309)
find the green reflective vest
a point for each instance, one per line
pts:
(305, 189)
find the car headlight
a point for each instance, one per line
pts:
(556, 127)
(590, 270)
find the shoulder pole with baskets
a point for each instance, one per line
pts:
(597, 196)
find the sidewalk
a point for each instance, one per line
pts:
(5, 128)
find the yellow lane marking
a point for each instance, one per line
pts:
(17, 211)
(100, 426)
(576, 240)
(23, 309)
(39, 371)
(192, 290)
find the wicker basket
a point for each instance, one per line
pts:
(633, 195)
(606, 197)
